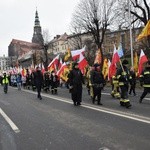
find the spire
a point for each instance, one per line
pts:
(37, 34)
(37, 22)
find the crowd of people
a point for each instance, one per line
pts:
(95, 82)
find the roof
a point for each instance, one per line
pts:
(25, 43)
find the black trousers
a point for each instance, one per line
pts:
(39, 90)
(124, 91)
(97, 92)
(76, 93)
(132, 88)
(145, 92)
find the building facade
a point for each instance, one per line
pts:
(77, 41)
(25, 52)
(59, 44)
(4, 63)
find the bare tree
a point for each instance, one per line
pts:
(94, 16)
(44, 57)
(140, 14)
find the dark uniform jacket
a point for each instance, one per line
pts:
(97, 79)
(145, 77)
(123, 76)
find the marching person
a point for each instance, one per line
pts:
(75, 81)
(5, 82)
(19, 81)
(145, 81)
(38, 78)
(123, 76)
(132, 81)
(97, 82)
(54, 82)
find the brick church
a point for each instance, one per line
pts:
(27, 53)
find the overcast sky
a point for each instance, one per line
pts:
(17, 19)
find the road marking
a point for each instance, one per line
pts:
(100, 109)
(148, 99)
(9, 121)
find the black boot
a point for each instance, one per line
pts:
(140, 101)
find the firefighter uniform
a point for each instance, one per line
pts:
(145, 81)
(115, 88)
(123, 76)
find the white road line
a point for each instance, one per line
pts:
(9, 121)
(148, 99)
(105, 110)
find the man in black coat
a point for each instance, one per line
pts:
(38, 78)
(75, 81)
(97, 82)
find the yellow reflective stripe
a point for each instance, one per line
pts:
(121, 83)
(146, 85)
(115, 81)
(141, 76)
(124, 100)
(146, 72)
(118, 76)
(124, 73)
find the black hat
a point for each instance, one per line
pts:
(125, 62)
(96, 65)
(74, 64)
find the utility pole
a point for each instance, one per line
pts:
(131, 41)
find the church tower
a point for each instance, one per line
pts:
(37, 35)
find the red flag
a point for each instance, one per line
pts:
(142, 60)
(76, 53)
(53, 63)
(82, 63)
(59, 72)
(115, 59)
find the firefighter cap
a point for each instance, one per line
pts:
(125, 62)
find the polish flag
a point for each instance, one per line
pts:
(142, 60)
(76, 53)
(53, 63)
(82, 63)
(115, 59)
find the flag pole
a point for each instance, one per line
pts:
(131, 42)
(121, 65)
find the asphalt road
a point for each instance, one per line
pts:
(54, 123)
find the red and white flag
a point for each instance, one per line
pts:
(61, 70)
(54, 63)
(60, 63)
(76, 53)
(142, 60)
(115, 59)
(82, 63)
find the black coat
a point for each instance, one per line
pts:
(38, 78)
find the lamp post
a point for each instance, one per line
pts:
(131, 41)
